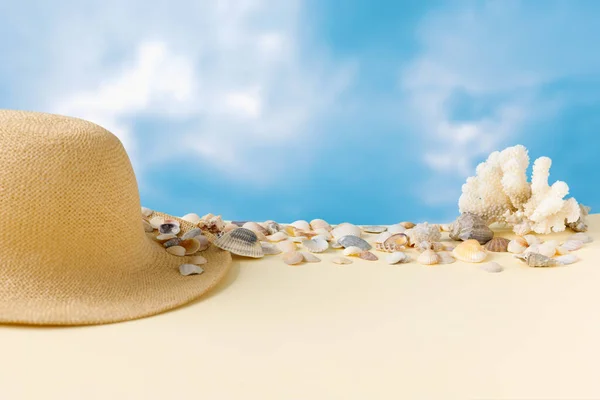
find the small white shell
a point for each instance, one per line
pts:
(270, 248)
(446, 257)
(324, 233)
(292, 257)
(352, 251)
(156, 221)
(166, 236)
(383, 237)
(573, 245)
(286, 246)
(176, 251)
(341, 260)
(316, 245)
(374, 228)
(336, 245)
(204, 243)
(190, 269)
(567, 259)
(396, 228)
(191, 217)
(301, 224)
(547, 249)
(561, 251)
(346, 229)
(146, 212)
(397, 257)
(298, 239)
(532, 239)
(317, 224)
(198, 260)
(491, 267)
(517, 246)
(309, 257)
(428, 257)
(584, 237)
(277, 237)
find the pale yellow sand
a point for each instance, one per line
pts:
(322, 331)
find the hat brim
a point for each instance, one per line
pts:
(147, 287)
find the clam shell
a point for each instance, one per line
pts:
(204, 243)
(270, 248)
(255, 227)
(198, 260)
(316, 245)
(397, 257)
(292, 257)
(396, 228)
(336, 245)
(341, 260)
(374, 228)
(367, 255)
(351, 240)
(242, 242)
(298, 239)
(345, 230)
(561, 251)
(229, 227)
(491, 267)
(146, 212)
(352, 251)
(191, 217)
(277, 237)
(428, 257)
(192, 233)
(547, 249)
(567, 259)
(583, 237)
(322, 233)
(396, 242)
(147, 226)
(286, 246)
(383, 237)
(532, 239)
(446, 257)
(301, 224)
(320, 224)
(471, 226)
(164, 238)
(191, 245)
(572, 245)
(407, 224)
(538, 260)
(497, 245)
(172, 242)
(309, 257)
(176, 251)
(272, 227)
(190, 269)
(469, 251)
(156, 221)
(517, 246)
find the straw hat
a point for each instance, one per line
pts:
(73, 250)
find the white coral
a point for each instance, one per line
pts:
(500, 193)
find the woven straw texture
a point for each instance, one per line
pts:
(73, 250)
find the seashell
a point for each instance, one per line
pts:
(323, 233)
(537, 260)
(298, 239)
(532, 239)
(176, 251)
(567, 259)
(547, 249)
(164, 238)
(580, 224)
(397, 257)
(286, 246)
(261, 236)
(146, 212)
(204, 243)
(367, 255)
(471, 226)
(336, 245)
(469, 251)
(446, 257)
(292, 258)
(352, 251)
(242, 242)
(534, 248)
(345, 230)
(583, 237)
(172, 242)
(212, 224)
(256, 228)
(191, 246)
(351, 240)
(301, 224)
(147, 226)
(319, 224)
(192, 233)
(309, 257)
(208, 216)
(198, 260)
(341, 260)
(383, 237)
(277, 237)
(396, 228)
(572, 245)
(374, 228)
(424, 245)
(517, 246)
(272, 227)
(396, 242)
(315, 245)
(190, 269)
(497, 245)
(491, 267)
(270, 248)
(428, 257)
(407, 225)
(561, 251)
(423, 232)
(192, 217)
(156, 221)
(169, 226)
(229, 227)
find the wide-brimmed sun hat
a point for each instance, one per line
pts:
(73, 246)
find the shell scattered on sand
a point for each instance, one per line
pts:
(397, 257)
(255, 227)
(547, 249)
(497, 245)
(341, 260)
(532, 239)
(335, 245)
(316, 245)
(517, 245)
(168, 236)
(192, 218)
(351, 240)
(292, 257)
(427, 245)
(309, 257)
(572, 245)
(367, 255)
(567, 259)
(198, 260)
(396, 242)
(190, 269)
(491, 266)
(470, 251)
(538, 260)
(584, 237)
(272, 227)
(352, 251)
(270, 248)
(428, 257)
(374, 228)
(192, 233)
(323, 233)
(407, 224)
(471, 226)
(286, 246)
(382, 237)
(242, 242)
(423, 232)
(396, 228)
(561, 251)
(446, 257)
(320, 224)
(277, 237)
(345, 230)
(301, 224)
(191, 246)
(176, 251)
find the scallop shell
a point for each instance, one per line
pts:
(423, 232)
(292, 257)
(191, 217)
(491, 267)
(567, 259)
(242, 242)
(277, 237)
(374, 228)
(270, 248)
(572, 245)
(396, 242)
(319, 224)
(428, 257)
(309, 257)
(396, 228)
(532, 239)
(323, 233)
(286, 246)
(367, 255)
(341, 260)
(352, 251)
(316, 245)
(164, 238)
(497, 245)
(272, 227)
(583, 237)
(176, 251)
(469, 251)
(471, 226)
(351, 240)
(156, 221)
(191, 245)
(191, 233)
(146, 212)
(446, 257)
(407, 224)
(517, 246)
(538, 260)
(326, 238)
(301, 224)
(345, 230)
(383, 237)
(397, 257)
(255, 227)
(198, 260)
(147, 226)
(172, 242)
(204, 243)
(190, 269)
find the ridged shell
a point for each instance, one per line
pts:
(286, 246)
(270, 248)
(147, 226)
(191, 245)
(471, 226)
(469, 251)
(345, 230)
(497, 245)
(191, 233)
(396, 242)
(367, 255)
(319, 224)
(172, 242)
(255, 227)
(309, 257)
(292, 257)
(428, 257)
(229, 227)
(491, 267)
(277, 237)
(190, 269)
(163, 238)
(397, 257)
(242, 242)
(517, 246)
(198, 260)
(423, 232)
(191, 217)
(374, 229)
(341, 260)
(567, 259)
(301, 224)
(538, 260)
(396, 228)
(272, 227)
(446, 257)
(352, 251)
(176, 251)
(351, 240)
(382, 237)
(583, 237)
(326, 238)
(572, 245)
(316, 245)
(146, 212)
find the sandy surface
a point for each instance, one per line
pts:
(323, 331)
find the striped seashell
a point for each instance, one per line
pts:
(572, 245)
(537, 260)
(428, 257)
(320, 224)
(316, 245)
(469, 251)
(354, 241)
(270, 248)
(396, 242)
(397, 257)
(497, 245)
(242, 242)
(367, 255)
(341, 260)
(446, 257)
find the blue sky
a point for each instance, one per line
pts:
(362, 111)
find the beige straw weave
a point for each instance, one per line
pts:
(73, 250)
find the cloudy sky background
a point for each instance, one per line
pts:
(362, 111)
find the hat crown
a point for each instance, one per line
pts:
(68, 193)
